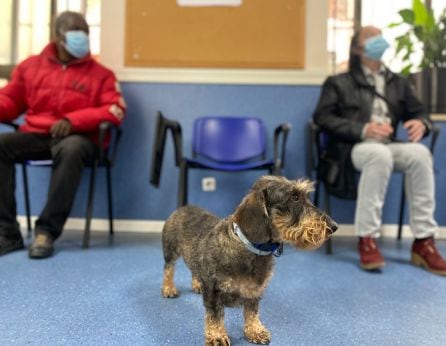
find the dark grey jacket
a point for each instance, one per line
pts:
(344, 107)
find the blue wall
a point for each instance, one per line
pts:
(135, 198)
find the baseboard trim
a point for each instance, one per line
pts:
(156, 226)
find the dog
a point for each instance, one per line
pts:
(232, 259)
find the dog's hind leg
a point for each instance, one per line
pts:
(196, 285)
(171, 254)
(254, 330)
(169, 290)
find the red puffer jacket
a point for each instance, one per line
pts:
(83, 91)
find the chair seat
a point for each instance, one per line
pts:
(39, 162)
(230, 167)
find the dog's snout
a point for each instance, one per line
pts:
(331, 224)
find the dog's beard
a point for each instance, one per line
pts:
(309, 233)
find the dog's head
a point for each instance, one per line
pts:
(281, 208)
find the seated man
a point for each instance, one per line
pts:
(65, 94)
(360, 111)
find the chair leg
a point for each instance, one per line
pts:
(110, 198)
(26, 192)
(275, 171)
(86, 241)
(401, 216)
(182, 188)
(316, 194)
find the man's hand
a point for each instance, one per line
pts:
(62, 128)
(415, 129)
(378, 130)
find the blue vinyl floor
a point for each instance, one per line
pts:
(110, 295)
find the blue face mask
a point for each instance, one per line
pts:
(374, 47)
(77, 43)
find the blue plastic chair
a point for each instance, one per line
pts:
(222, 143)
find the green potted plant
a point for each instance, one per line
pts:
(427, 34)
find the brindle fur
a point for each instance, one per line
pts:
(223, 270)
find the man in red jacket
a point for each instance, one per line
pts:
(64, 94)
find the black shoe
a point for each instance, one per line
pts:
(8, 245)
(42, 246)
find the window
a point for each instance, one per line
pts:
(345, 15)
(25, 25)
(340, 25)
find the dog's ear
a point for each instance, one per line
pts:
(260, 193)
(253, 216)
(264, 199)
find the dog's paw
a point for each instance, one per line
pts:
(170, 292)
(196, 287)
(222, 340)
(258, 336)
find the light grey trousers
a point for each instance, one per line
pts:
(376, 161)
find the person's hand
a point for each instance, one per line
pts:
(415, 129)
(378, 130)
(62, 128)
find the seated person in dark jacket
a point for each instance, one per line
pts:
(360, 110)
(65, 94)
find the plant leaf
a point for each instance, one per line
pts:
(406, 70)
(423, 16)
(393, 25)
(407, 15)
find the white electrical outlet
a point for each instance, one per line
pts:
(208, 184)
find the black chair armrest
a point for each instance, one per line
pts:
(107, 154)
(280, 140)
(177, 136)
(163, 125)
(434, 133)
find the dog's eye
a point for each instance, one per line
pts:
(295, 197)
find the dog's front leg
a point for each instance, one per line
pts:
(254, 330)
(214, 322)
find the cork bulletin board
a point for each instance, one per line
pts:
(256, 34)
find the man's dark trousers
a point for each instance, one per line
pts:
(69, 155)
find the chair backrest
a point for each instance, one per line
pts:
(229, 139)
(317, 144)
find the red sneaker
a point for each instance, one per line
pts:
(370, 257)
(426, 255)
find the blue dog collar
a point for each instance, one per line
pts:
(260, 249)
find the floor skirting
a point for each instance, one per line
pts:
(155, 226)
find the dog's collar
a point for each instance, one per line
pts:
(260, 249)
